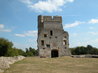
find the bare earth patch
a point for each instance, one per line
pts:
(55, 65)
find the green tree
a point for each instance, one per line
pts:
(5, 47)
(21, 52)
(12, 52)
(31, 52)
(79, 50)
(84, 50)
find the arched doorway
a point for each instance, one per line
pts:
(54, 53)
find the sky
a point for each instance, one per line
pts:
(18, 20)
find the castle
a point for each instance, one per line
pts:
(52, 40)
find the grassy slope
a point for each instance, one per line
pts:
(55, 65)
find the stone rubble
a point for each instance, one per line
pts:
(6, 61)
(84, 56)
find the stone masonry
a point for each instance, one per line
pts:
(52, 40)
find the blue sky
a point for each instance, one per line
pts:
(18, 20)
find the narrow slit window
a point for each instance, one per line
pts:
(42, 42)
(64, 42)
(51, 32)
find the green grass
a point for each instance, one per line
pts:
(55, 65)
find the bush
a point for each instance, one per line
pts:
(84, 50)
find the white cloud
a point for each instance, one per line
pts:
(47, 5)
(28, 33)
(5, 30)
(93, 33)
(76, 23)
(2, 28)
(20, 35)
(93, 21)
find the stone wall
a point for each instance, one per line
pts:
(6, 61)
(84, 56)
(52, 39)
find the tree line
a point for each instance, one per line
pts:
(81, 50)
(7, 49)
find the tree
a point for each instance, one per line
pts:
(5, 47)
(84, 50)
(31, 52)
(21, 52)
(79, 50)
(89, 49)
(12, 52)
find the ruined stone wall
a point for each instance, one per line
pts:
(6, 61)
(51, 36)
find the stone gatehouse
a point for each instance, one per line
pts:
(52, 40)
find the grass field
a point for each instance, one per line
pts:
(55, 65)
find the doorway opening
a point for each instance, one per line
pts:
(54, 53)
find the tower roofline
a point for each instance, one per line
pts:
(50, 18)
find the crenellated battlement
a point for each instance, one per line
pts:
(50, 22)
(50, 18)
